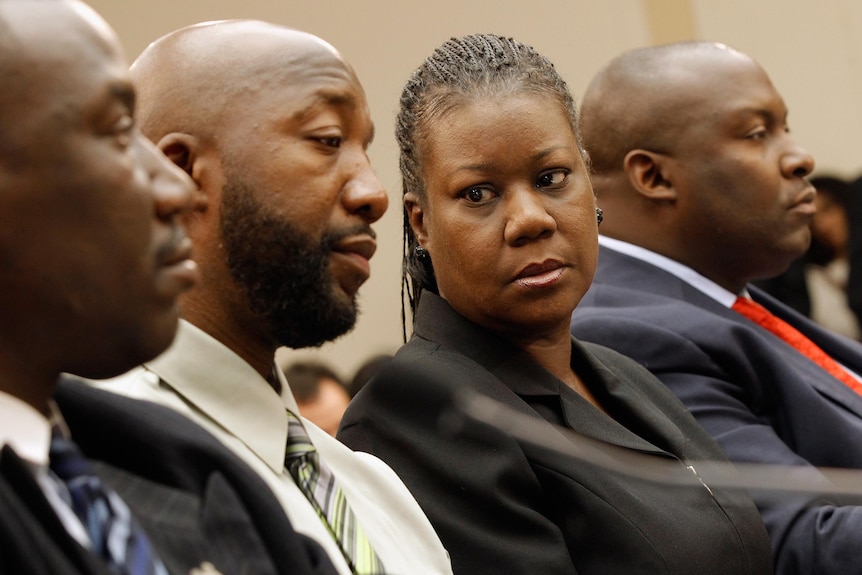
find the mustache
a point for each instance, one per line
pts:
(175, 248)
(333, 237)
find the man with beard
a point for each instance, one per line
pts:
(273, 127)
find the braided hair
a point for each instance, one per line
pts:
(459, 71)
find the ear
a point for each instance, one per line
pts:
(182, 150)
(648, 174)
(416, 216)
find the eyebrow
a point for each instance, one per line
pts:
(124, 92)
(335, 98)
(540, 155)
(762, 111)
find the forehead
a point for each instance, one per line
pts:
(306, 85)
(476, 124)
(66, 60)
(284, 86)
(725, 88)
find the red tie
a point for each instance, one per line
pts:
(759, 314)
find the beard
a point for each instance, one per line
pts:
(283, 272)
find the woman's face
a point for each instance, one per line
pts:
(509, 217)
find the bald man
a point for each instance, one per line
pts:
(704, 190)
(273, 127)
(94, 259)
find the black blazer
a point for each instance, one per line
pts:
(196, 500)
(504, 507)
(758, 397)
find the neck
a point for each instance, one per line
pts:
(31, 386)
(239, 337)
(552, 351)
(556, 357)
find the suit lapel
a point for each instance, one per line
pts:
(621, 269)
(840, 349)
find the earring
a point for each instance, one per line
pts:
(421, 254)
(600, 215)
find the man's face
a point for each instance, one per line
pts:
(745, 206)
(298, 201)
(94, 257)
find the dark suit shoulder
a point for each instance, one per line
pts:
(165, 465)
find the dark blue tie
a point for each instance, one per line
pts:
(115, 535)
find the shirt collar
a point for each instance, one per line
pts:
(683, 272)
(226, 389)
(26, 430)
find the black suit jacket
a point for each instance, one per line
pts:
(504, 507)
(196, 500)
(758, 397)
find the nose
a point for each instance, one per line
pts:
(796, 161)
(173, 190)
(364, 195)
(527, 217)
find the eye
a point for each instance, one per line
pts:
(757, 134)
(554, 179)
(122, 131)
(329, 141)
(477, 195)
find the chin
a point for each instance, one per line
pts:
(156, 339)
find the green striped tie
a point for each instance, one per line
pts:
(318, 484)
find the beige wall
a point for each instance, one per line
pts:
(812, 50)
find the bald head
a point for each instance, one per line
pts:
(196, 79)
(645, 97)
(37, 42)
(694, 160)
(273, 126)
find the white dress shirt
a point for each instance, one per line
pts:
(203, 379)
(683, 272)
(28, 433)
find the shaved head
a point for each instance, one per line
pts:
(628, 104)
(693, 159)
(273, 126)
(34, 42)
(195, 79)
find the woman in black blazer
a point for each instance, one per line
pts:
(500, 246)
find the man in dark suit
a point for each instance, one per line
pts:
(94, 259)
(703, 191)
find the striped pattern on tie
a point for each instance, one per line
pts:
(113, 532)
(317, 483)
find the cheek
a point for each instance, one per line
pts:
(460, 253)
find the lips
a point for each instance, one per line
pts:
(176, 250)
(541, 274)
(179, 271)
(356, 251)
(804, 201)
(362, 246)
